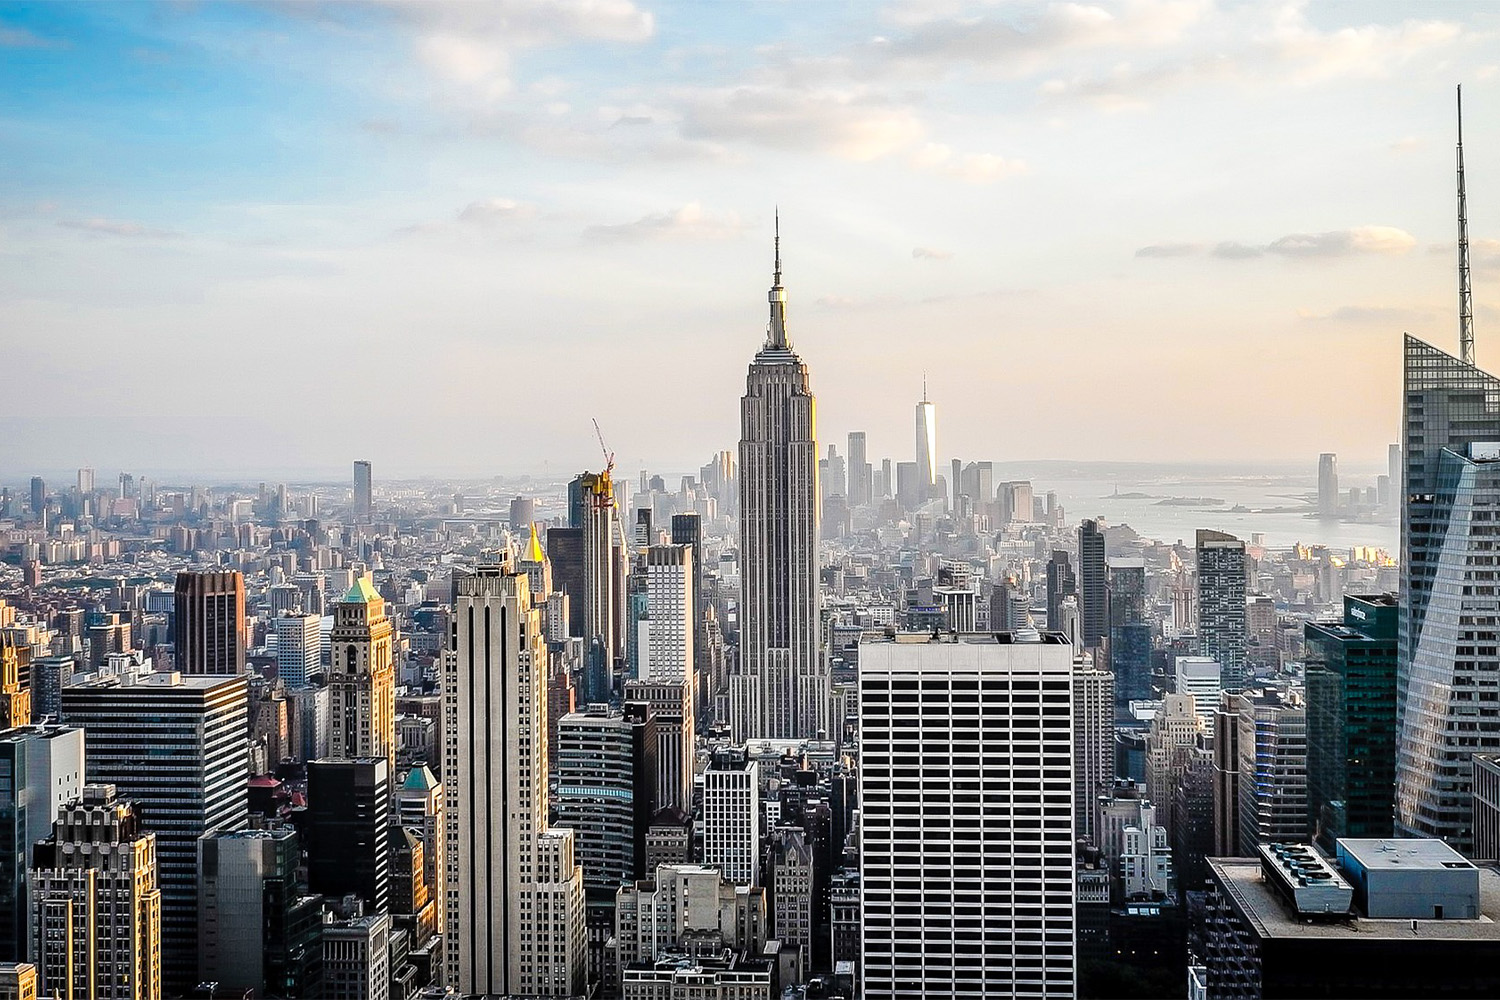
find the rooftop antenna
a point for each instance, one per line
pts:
(1465, 293)
(779, 236)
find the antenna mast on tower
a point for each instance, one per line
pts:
(1465, 293)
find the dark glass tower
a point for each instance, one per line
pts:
(1093, 610)
(1351, 721)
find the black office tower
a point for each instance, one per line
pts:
(348, 843)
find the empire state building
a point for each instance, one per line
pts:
(781, 687)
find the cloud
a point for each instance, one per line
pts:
(1257, 45)
(493, 211)
(1344, 242)
(1333, 243)
(931, 253)
(856, 123)
(117, 227)
(975, 168)
(22, 38)
(690, 222)
(1169, 250)
(1388, 316)
(1405, 144)
(470, 47)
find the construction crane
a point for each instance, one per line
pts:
(607, 486)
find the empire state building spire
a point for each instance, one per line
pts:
(776, 333)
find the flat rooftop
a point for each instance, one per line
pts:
(1271, 917)
(1406, 854)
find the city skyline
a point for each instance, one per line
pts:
(870, 126)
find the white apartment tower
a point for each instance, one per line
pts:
(966, 797)
(731, 816)
(514, 908)
(1093, 745)
(299, 647)
(781, 688)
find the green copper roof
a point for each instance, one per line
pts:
(361, 592)
(421, 779)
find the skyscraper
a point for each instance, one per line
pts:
(348, 841)
(96, 907)
(731, 816)
(15, 700)
(1328, 483)
(1093, 746)
(1221, 605)
(1129, 632)
(362, 677)
(596, 491)
(515, 907)
(209, 623)
(299, 647)
(38, 495)
(191, 782)
(1351, 721)
(975, 899)
(1093, 584)
(261, 931)
(926, 443)
(782, 687)
(41, 770)
(364, 492)
(1448, 606)
(861, 480)
(1060, 583)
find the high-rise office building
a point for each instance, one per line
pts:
(348, 816)
(1093, 745)
(299, 647)
(208, 622)
(364, 492)
(1203, 678)
(687, 529)
(96, 907)
(362, 677)
(38, 495)
(672, 714)
(260, 929)
(1174, 732)
(926, 451)
(606, 791)
(41, 770)
(565, 555)
(85, 482)
(1129, 632)
(976, 899)
(1328, 483)
(191, 783)
(1350, 671)
(782, 687)
(861, 480)
(1446, 655)
(666, 651)
(1221, 605)
(731, 816)
(1270, 786)
(1061, 583)
(1093, 584)
(679, 902)
(515, 906)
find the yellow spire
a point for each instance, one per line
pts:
(536, 554)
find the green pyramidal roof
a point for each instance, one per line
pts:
(361, 592)
(421, 779)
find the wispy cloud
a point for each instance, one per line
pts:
(1387, 316)
(1332, 243)
(118, 227)
(494, 211)
(690, 222)
(930, 253)
(23, 38)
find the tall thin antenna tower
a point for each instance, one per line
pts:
(1465, 293)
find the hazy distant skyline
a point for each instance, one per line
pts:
(442, 237)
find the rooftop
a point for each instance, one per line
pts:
(360, 592)
(1405, 854)
(1257, 901)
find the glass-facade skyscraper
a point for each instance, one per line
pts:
(1351, 721)
(1448, 668)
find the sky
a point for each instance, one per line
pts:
(270, 238)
